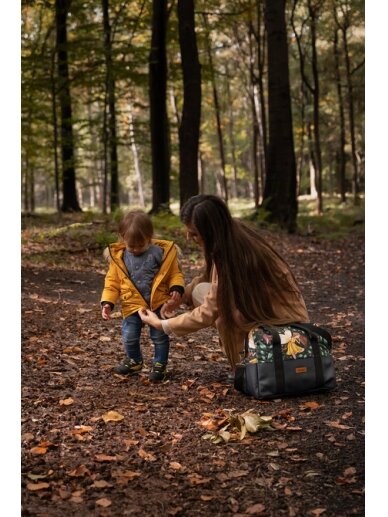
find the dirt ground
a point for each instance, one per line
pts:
(148, 456)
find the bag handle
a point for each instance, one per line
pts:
(314, 330)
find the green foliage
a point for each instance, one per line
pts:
(337, 220)
(104, 238)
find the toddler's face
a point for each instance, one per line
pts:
(138, 249)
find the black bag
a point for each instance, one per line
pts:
(290, 360)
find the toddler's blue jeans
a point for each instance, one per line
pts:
(131, 331)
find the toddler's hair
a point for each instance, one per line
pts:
(136, 228)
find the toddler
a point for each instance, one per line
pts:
(144, 273)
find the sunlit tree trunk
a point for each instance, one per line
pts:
(135, 155)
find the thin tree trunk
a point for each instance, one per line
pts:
(255, 120)
(105, 138)
(55, 131)
(111, 86)
(191, 114)
(231, 134)
(355, 187)
(160, 137)
(341, 145)
(313, 12)
(261, 46)
(135, 155)
(217, 112)
(69, 201)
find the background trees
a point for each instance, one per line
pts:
(146, 103)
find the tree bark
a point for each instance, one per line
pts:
(217, 113)
(280, 187)
(110, 87)
(160, 138)
(69, 201)
(55, 131)
(341, 111)
(191, 114)
(135, 154)
(355, 187)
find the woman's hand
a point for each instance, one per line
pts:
(150, 318)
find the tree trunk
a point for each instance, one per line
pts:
(191, 114)
(261, 39)
(355, 187)
(69, 201)
(313, 13)
(341, 145)
(231, 135)
(255, 120)
(135, 154)
(110, 87)
(55, 131)
(217, 113)
(160, 144)
(280, 187)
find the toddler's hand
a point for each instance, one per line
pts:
(105, 313)
(168, 308)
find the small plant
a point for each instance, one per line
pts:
(104, 238)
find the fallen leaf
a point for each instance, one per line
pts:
(318, 511)
(37, 486)
(38, 450)
(176, 466)
(196, 479)
(207, 497)
(255, 509)
(104, 502)
(80, 471)
(336, 425)
(112, 416)
(105, 338)
(147, 456)
(79, 429)
(66, 402)
(101, 483)
(103, 457)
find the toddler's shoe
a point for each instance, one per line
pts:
(158, 372)
(129, 367)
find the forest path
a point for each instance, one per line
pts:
(154, 461)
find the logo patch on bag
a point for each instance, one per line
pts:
(302, 369)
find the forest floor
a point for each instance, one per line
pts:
(99, 444)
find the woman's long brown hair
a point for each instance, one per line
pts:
(250, 271)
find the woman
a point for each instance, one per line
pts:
(250, 283)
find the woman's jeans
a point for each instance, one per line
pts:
(131, 332)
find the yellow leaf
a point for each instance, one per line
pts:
(105, 338)
(112, 416)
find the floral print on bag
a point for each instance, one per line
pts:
(295, 344)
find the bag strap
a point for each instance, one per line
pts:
(314, 330)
